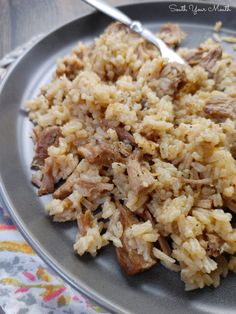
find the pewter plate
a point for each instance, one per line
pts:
(155, 291)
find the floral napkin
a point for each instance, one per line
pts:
(27, 285)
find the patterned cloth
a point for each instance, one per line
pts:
(27, 285)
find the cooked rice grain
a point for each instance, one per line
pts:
(146, 152)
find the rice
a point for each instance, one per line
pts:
(141, 153)
(218, 26)
(229, 39)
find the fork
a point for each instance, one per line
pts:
(137, 27)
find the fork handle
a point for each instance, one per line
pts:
(110, 10)
(116, 14)
(135, 26)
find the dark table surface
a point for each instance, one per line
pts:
(22, 19)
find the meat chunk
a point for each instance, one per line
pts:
(140, 178)
(210, 59)
(124, 135)
(128, 258)
(230, 203)
(124, 149)
(214, 245)
(84, 222)
(171, 78)
(37, 178)
(151, 135)
(66, 188)
(47, 183)
(205, 58)
(194, 56)
(102, 154)
(47, 137)
(146, 215)
(221, 107)
(164, 245)
(172, 34)
(116, 27)
(87, 188)
(93, 189)
(108, 124)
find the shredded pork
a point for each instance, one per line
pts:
(102, 154)
(221, 107)
(172, 34)
(171, 78)
(204, 58)
(140, 178)
(84, 222)
(214, 245)
(129, 259)
(165, 247)
(47, 183)
(45, 138)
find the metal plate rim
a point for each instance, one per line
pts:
(49, 260)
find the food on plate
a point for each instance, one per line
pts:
(141, 153)
(218, 26)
